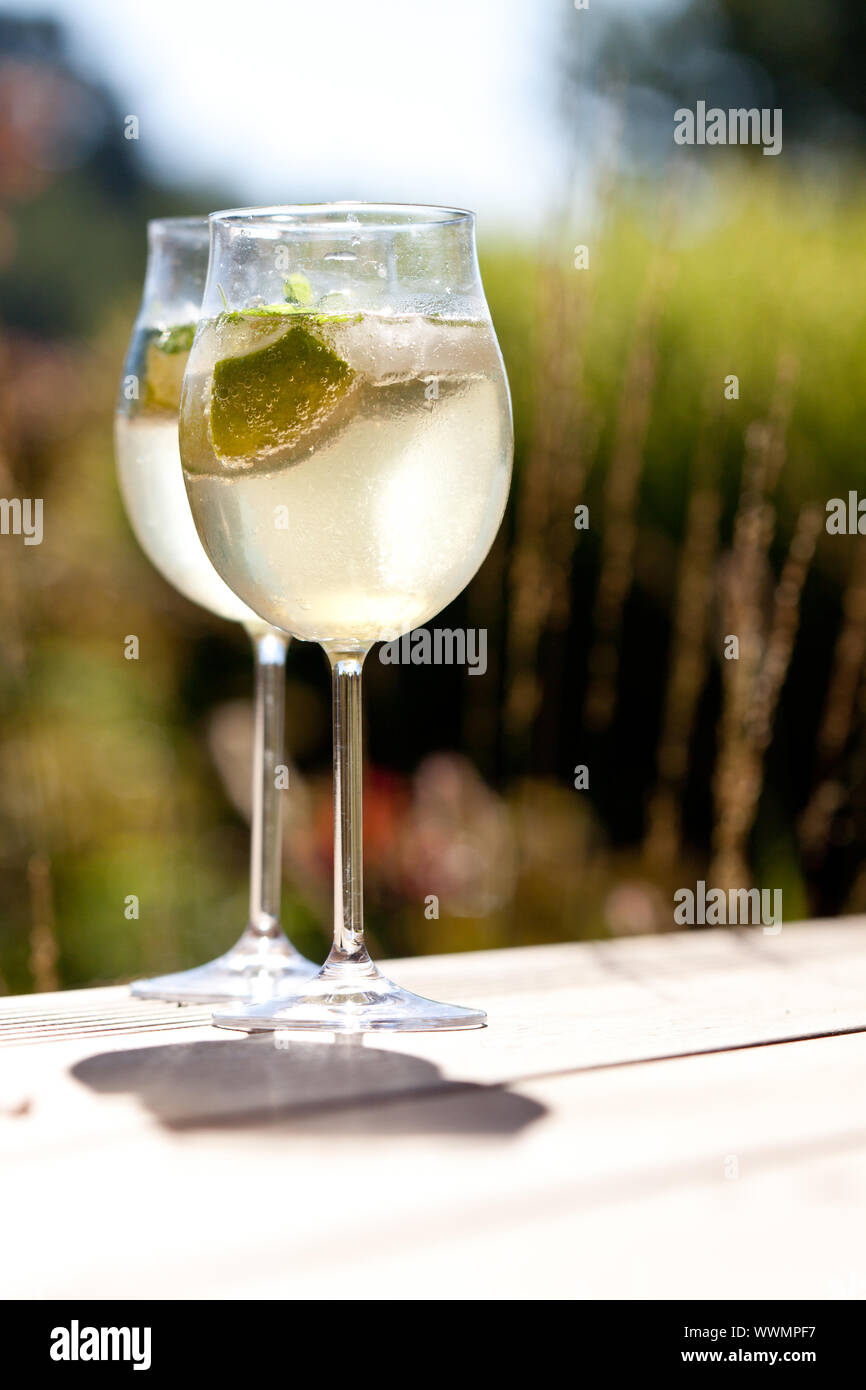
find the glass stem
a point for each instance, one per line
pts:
(269, 648)
(349, 947)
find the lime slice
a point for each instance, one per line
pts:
(272, 397)
(177, 339)
(298, 290)
(164, 363)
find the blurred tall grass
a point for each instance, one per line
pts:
(706, 518)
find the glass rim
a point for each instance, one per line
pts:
(373, 216)
(193, 223)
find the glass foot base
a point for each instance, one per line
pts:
(350, 999)
(251, 971)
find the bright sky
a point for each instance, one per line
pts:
(447, 101)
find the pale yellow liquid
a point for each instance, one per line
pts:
(376, 519)
(151, 482)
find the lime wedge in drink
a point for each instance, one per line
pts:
(272, 397)
(164, 363)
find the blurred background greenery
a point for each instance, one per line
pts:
(706, 517)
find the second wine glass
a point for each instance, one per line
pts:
(263, 961)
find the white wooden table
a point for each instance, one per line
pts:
(676, 1116)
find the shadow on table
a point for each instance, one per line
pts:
(338, 1086)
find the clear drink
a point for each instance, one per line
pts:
(348, 473)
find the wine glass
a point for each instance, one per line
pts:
(151, 482)
(346, 438)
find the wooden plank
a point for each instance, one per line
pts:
(552, 1009)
